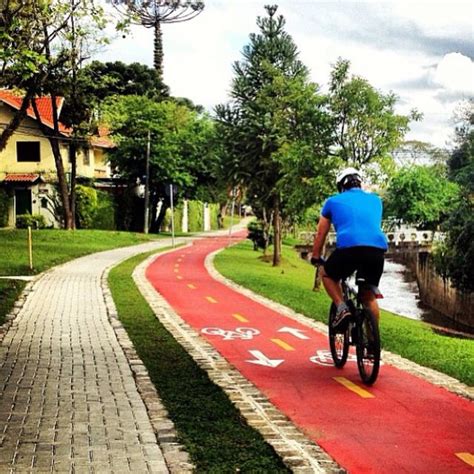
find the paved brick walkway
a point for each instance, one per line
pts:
(68, 398)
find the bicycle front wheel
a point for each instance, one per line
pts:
(338, 341)
(368, 347)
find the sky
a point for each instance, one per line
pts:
(423, 51)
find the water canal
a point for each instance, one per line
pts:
(401, 296)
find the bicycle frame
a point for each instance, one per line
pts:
(361, 331)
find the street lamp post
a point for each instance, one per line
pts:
(147, 185)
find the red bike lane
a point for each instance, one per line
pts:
(401, 424)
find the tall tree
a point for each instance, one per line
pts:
(152, 14)
(22, 55)
(180, 153)
(275, 131)
(421, 195)
(365, 125)
(457, 253)
(52, 38)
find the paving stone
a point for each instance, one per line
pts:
(63, 374)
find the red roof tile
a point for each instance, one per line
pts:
(44, 105)
(22, 178)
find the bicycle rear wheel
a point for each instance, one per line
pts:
(338, 341)
(368, 347)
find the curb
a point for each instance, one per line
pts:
(299, 454)
(430, 375)
(176, 457)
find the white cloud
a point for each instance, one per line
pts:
(455, 73)
(406, 46)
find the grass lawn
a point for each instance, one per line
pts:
(291, 285)
(50, 248)
(209, 426)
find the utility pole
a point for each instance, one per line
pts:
(172, 214)
(147, 185)
(233, 194)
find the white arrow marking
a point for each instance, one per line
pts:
(296, 332)
(262, 359)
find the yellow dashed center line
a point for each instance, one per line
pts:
(354, 388)
(179, 260)
(283, 344)
(176, 270)
(211, 299)
(190, 285)
(179, 277)
(240, 318)
(468, 458)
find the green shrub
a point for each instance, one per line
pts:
(36, 221)
(260, 237)
(177, 217)
(104, 213)
(195, 216)
(86, 205)
(4, 204)
(214, 212)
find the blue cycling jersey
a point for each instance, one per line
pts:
(357, 219)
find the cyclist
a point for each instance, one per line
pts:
(360, 243)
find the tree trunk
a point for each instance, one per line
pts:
(72, 193)
(276, 232)
(54, 142)
(158, 50)
(266, 230)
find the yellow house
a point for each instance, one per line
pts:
(27, 166)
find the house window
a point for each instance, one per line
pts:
(28, 151)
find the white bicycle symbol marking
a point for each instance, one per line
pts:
(228, 335)
(324, 357)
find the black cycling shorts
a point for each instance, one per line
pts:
(367, 261)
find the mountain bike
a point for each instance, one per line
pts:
(361, 330)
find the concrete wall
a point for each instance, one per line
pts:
(439, 294)
(436, 292)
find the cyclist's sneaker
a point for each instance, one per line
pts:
(341, 318)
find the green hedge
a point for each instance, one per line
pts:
(178, 219)
(195, 216)
(86, 205)
(104, 215)
(4, 204)
(214, 211)
(36, 221)
(94, 209)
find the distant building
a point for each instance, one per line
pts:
(27, 167)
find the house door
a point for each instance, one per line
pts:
(22, 201)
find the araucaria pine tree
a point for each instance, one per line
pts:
(274, 130)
